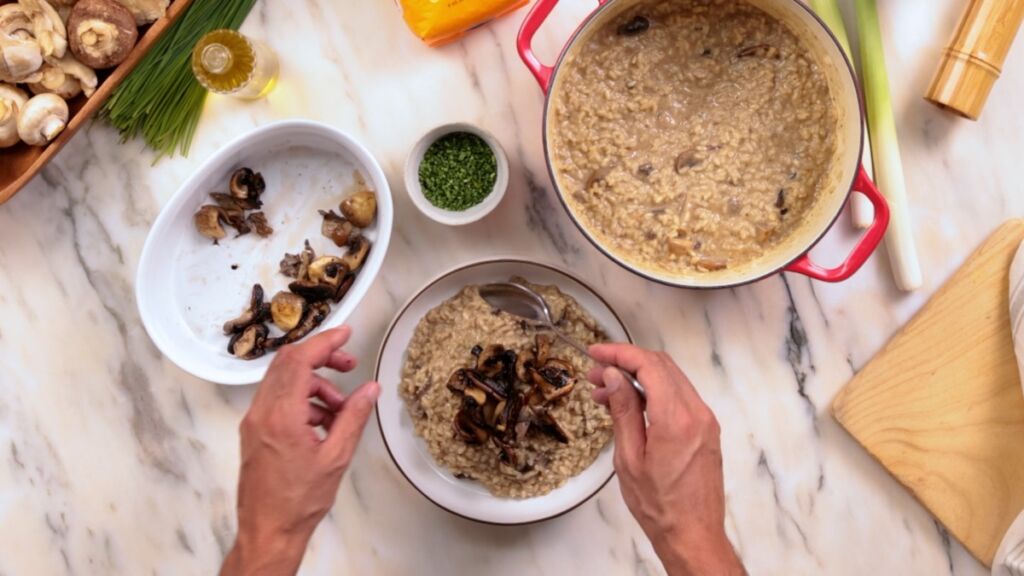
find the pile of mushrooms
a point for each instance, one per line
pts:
(53, 48)
(507, 396)
(239, 208)
(317, 283)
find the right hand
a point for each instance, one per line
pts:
(669, 466)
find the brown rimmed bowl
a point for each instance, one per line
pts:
(467, 498)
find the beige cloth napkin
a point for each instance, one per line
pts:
(1009, 559)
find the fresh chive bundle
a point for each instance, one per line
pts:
(161, 99)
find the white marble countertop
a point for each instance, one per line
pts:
(112, 460)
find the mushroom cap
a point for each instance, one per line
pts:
(20, 52)
(47, 27)
(102, 33)
(12, 100)
(360, 208)
(287, 310)
(358, 248)
(208, 222)
(42, 118)
(146, 11)
(336, 228)
(66, 78)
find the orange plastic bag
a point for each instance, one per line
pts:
(438, 22)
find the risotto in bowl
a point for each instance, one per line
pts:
(488, 416)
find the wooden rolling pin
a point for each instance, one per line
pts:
(973, 61)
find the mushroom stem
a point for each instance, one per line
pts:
(53, 126)
(42, 118)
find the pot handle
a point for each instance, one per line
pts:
(534, 19)
(864, 248)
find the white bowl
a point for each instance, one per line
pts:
(187, 287)
(467, 498)
(451, 217)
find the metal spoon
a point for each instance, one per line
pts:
(521, 301)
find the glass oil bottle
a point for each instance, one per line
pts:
(227, 62)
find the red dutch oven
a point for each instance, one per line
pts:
(847, 174)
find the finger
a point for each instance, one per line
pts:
(657, 372)
(322, 388)
(627, 419)
(596, 375)
(316, 351)
(343, 437)
(342, 361)
(319, 416)
(627, 356)
(600, 395)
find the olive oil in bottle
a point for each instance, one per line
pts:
(226, 62)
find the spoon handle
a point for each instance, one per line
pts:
(629, 377)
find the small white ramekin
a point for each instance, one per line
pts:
(450, 217)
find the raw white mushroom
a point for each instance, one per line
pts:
(20, 53)
(145, 11)
(66, 78)
(12, 101)
(42, 119)
(47, 27)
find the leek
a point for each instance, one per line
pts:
(860, 207)
(899, 240)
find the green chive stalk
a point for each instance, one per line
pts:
(899, 239)
(161, 99)
(860, 208)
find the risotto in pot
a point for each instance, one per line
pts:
(691, 135)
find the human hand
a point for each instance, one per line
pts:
(669, 466)
(290, 472)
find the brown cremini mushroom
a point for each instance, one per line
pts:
(290, 265)
(208, 222)
(358, 248)
(101, 33)
(258, 220)
(311, 291)
(248, 186)
(315, 315)
(468, 427)
(343, 287)
(554, 379)
(257, 312)
(546, 422)
(287, 310)
(250, 343)
(329, 270)
(360, 208)
(336, 228)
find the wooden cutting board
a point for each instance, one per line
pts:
(941, 405)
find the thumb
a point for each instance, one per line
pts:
(347, 429)
(627, 418)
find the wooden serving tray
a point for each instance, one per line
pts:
(941, 407)
(20, 163)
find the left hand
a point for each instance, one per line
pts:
(289, 475)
